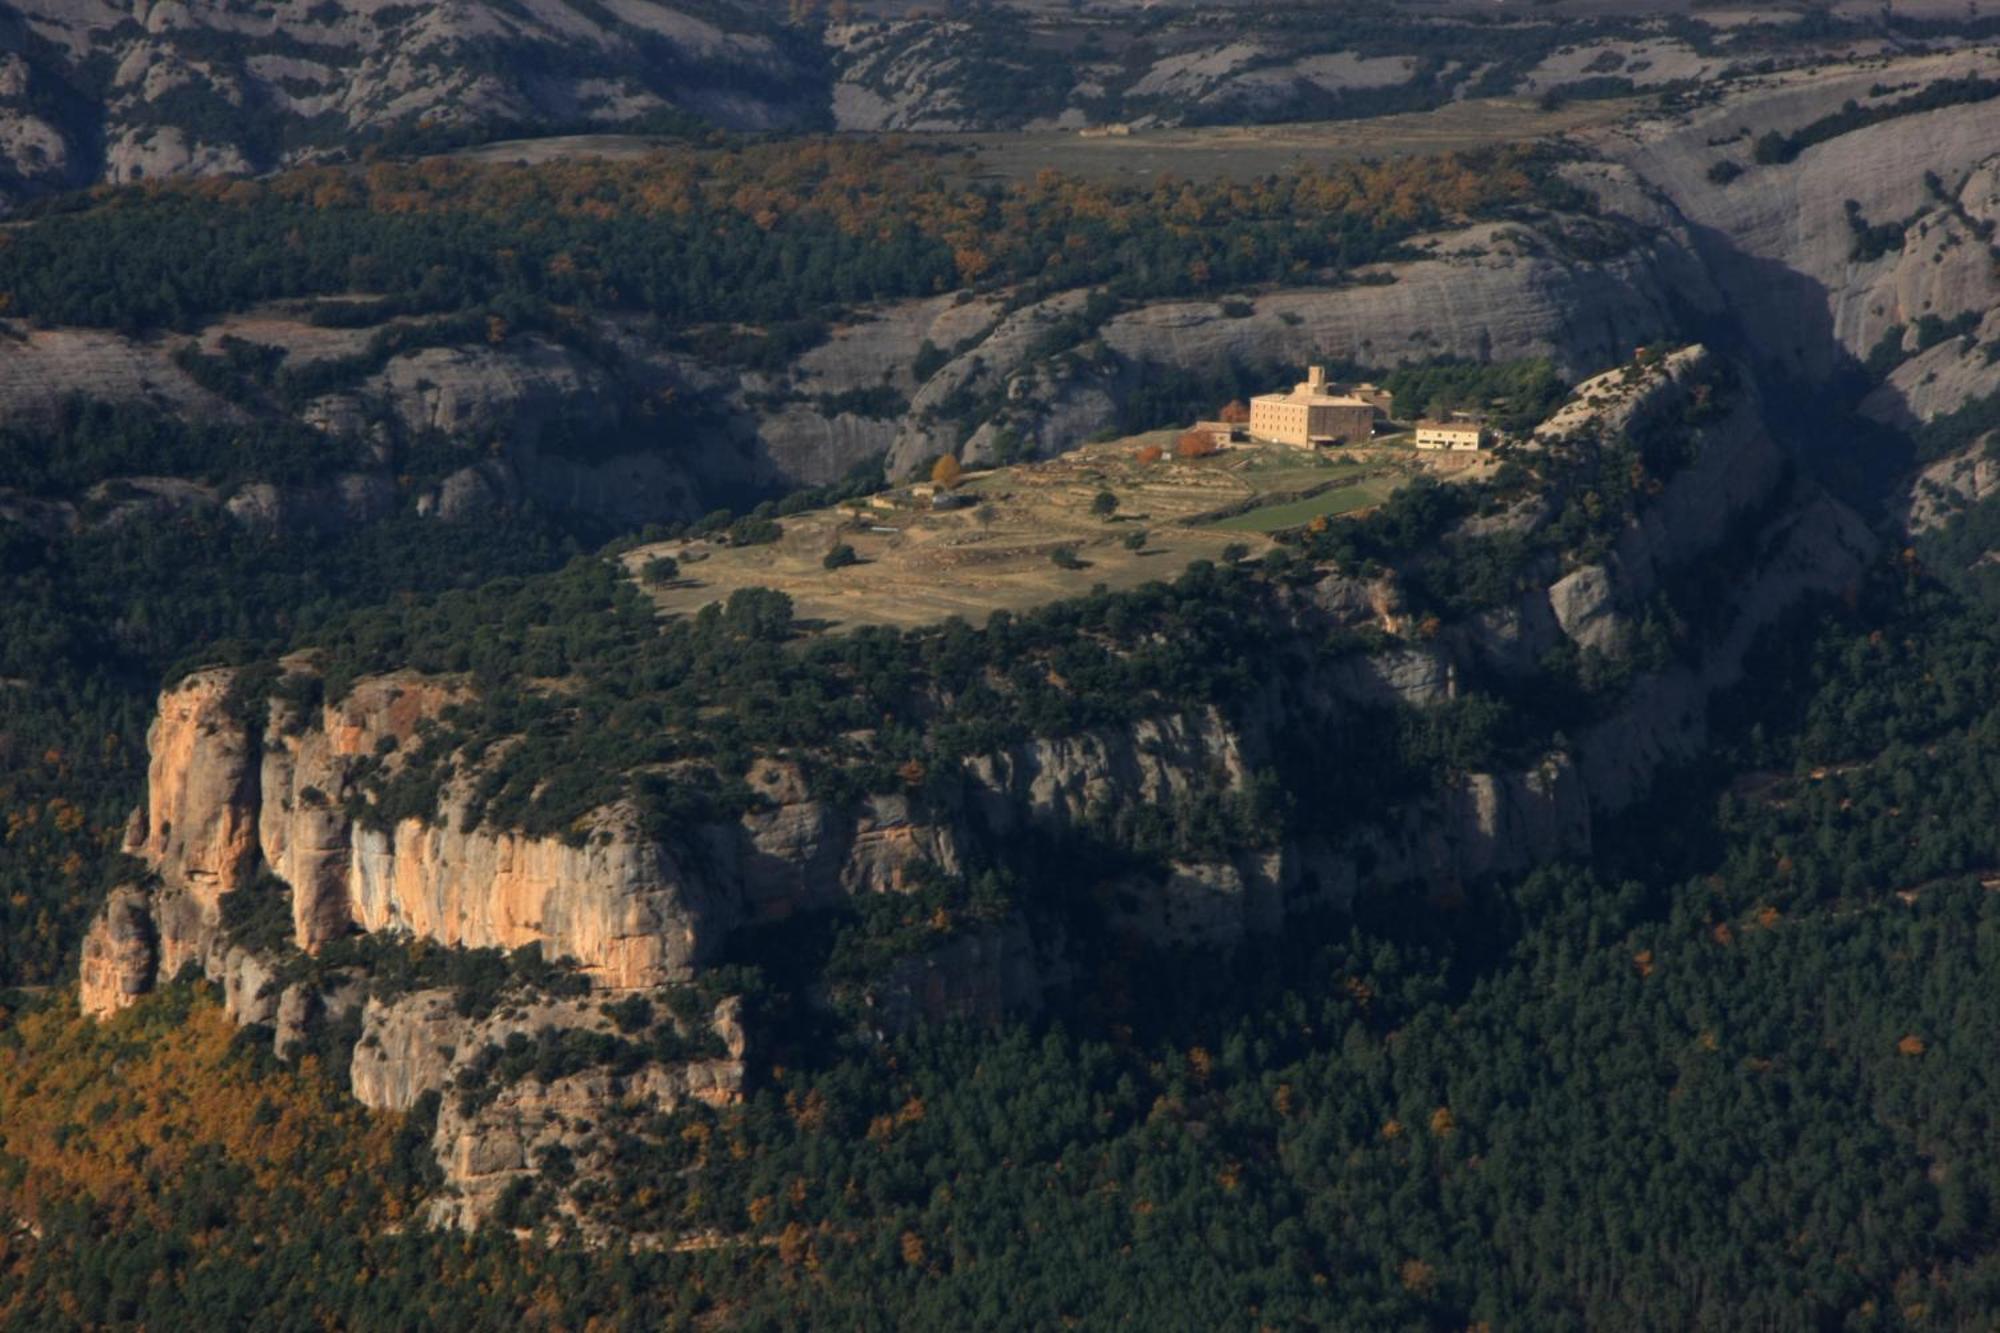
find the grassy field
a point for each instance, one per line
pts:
(1332, 503)
(999, 550)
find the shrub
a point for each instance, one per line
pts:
(754, 532)
(1104, 504)
(1065, 557)
(840, 557)
(630, 1014)
(660, 569)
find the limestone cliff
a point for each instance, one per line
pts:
(198, 825)
(1781, 238)
(121, 954)
(297, 792)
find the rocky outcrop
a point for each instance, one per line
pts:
(622, 907)
(496, 1126)
(225, 798)
(198, 826)
(1494, 291)
(121, 954)
(617, 904)
(1952, 484)
(1057, 784)
(407, 1048)
(1781, 237)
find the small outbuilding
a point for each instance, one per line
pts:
(1458, 436)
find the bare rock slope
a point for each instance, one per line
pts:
(111, 90)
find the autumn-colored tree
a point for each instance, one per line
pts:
(1150, 454)
(793, 1243)
(1236, 412)
(164, 1086)
(947, 471)
(1195, 444)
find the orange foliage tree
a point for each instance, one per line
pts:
(164, 1086)
(1196, 444)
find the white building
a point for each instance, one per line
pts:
(1454, 435)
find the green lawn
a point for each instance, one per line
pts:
(1295, 513)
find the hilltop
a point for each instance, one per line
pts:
(997, 544)
(644, 806)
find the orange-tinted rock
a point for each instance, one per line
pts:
(200, 830)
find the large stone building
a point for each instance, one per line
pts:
(1313, 413)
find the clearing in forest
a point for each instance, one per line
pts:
(1022, 536)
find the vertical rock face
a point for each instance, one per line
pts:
(200, 829)
(619, 905)
(303, 829)
(120, 954)
(1056, 783)
(612, 900)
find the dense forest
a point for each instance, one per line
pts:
(758, 233)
